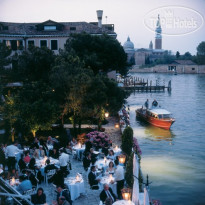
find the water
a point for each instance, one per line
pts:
(175, 159)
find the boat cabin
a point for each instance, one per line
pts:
(159, 113)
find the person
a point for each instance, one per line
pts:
(35, 144)
(119, 178)
(111, 154)
(93, 156)
(93, 181)
(25, 184)
(58, 178)
(63, 193)
(63, 161)
(63, 201)
(39, 153)
(39, 197)
(54, 153)
(11, 151)
(147, 104)
(52, 141)
(2, 156)
(154, 103)
(27, 157)
(73, 142)
(31, 177)
(87, 161)
(21, 163)
(107, 193)
(32, 164)
(49, 166)
(111, 168)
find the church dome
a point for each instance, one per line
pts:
(128, 44)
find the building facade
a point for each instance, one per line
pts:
(19, 36)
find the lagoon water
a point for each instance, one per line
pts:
(175, 159)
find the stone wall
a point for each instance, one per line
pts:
(185, 69)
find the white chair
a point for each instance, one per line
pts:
(49, 175)
(30, 192)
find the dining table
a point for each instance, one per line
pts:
(75, 185)
(78, 149)
(123, 202)
(102, 163)
(108, 179)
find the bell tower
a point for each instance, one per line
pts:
(158, 36)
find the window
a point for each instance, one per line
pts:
(31, 43)
(48, 28)
(14, 45)
(43, 43)
(5, 28)
(20, 44)
(54, 45)
(193, 68)
(72, 28)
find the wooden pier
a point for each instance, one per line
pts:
(141, 85)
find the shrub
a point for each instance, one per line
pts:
(127, 141)
(129, 172)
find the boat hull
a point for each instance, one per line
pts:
(162, 123)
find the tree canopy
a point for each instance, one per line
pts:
(99, 53)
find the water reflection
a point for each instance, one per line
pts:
(158, 134)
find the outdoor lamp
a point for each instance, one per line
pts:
(117, 125)
(122, 158)
(107, 114)
(126, 193)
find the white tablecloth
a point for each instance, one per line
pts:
(102, 163)
(107, 180)
(79, 150)
(42, 163)
(123, 202)
(76, 188)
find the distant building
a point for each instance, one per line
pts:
(51, 34)
(143, 56)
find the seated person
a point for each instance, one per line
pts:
(32, 164)
(87, 161)
(107, 193)
(49, 166)
(39, 197)
(21, 163)
(73, 142)
(25, 184)
(57, 178)
(111, 154)
(31, 177)
(154, 103)
(54, 153)
(65, 193)
(111, 168)
(93, 181)
(39, 153)
(35, 144)
(62, 201)
(93, 156)
(27, 157)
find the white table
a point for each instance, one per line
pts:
(42, 163)
(107, 180)
(101, 163)
(123, 202)
(117, 151)
(76, 188)
(79, 149)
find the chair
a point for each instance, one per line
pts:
(30, 191)
(49, 175)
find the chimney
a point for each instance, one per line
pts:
(99, 15)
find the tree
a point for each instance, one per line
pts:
(36, 108)
(33, 65)
(201, 53)
(177, 54)
(99, 53)
(187, 56)
(129, 172)
(4, 54)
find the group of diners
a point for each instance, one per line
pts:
(31, 164)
